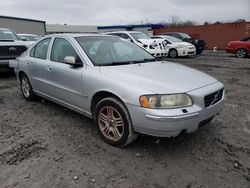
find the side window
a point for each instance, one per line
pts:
(125, 36)
(116, 34)
(41, 49)
(177, 36)
(62, 48)
(32, 52)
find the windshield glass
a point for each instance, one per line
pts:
(112, 51)
(137, 36)
(29, 37)
(8, 35)
(184, 35)
(172, 39)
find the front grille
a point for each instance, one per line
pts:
(9, 52)
(213, 98)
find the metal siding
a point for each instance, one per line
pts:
(55, 28)
(23, 26)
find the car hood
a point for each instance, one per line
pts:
(237, 42)
(159, 77)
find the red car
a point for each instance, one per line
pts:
(239, 48)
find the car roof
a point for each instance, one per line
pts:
(124, 32)
(25, 34)
(73, 35)
(4, 29)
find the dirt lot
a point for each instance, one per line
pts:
(45, 145)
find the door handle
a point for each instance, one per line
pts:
(49, 69)
(27, 63)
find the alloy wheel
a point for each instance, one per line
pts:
(25, 87)
(241, 53)
(111, 123)
(173, 53)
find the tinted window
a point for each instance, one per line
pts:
(62, 48)
(41, 49)
(116, 34)
(125, 36)
(177, 36)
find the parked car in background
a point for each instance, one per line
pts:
(155, 47)
(176, 47)
(199, 44)
(11, 46)
(118, 84)
(29, 37)
(240, 48)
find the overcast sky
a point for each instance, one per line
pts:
(113, 12)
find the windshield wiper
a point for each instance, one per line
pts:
(6, 40)
(118, 63)
(128, 62)
(145, 60)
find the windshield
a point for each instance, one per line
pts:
(112, 51)
(137, 36)
(172, 39)
(29, 37)
(184, 35)
(8, 35)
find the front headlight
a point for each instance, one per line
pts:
(166, 101)
(181, 46)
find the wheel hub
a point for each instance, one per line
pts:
(111, 123)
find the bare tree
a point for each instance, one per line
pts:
(174, 20)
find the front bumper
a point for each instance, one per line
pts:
(170, 122)
(4, 65)
(230, 50)
(186, 52)
(158, 53)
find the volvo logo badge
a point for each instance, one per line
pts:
(215, 97)
(12, 49)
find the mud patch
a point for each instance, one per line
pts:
(22, 151)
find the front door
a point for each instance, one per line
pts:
(65, 81)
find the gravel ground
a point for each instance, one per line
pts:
(45, 145)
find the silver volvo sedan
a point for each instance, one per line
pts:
(118, 84)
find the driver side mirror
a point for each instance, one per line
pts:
(70, 60)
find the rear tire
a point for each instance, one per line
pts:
(173, 53)
(26, 88)
(241, 53)
(113, 122)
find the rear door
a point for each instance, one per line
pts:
(36, 65)
(65, 81)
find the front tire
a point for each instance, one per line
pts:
(241, 53)
(113, 122)
(173, 53)
(26, 88)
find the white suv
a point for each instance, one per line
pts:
(155, 47)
